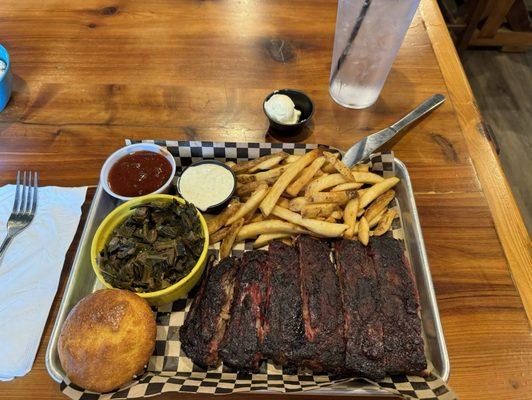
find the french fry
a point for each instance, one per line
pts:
(351, 233)
(250, 205)
(363, 231)
(266, 238)
(318, 173)
(320, 228)
(379, 204)
(350, 217)
(323, 228)
(283, 202)
(333, 197)
(360, 168)
(284, 180)
(376, 190)
(376, 219)
(339, 166)
(332, 203)
(251, 216)
(329, 167)
(367, 177)
(218, 235)
(245, 189)
(306, 175)
(245, 178)
(291, 158)
(257, 218)
(268, 226)
(270, 174)
(230, 164)
(287, 215)
(246, 166)
(229, 239)
(219, 220)
(346, 186)
(269, 164)
(337, 214)
(362, 191)
(297, 204)
(324, 182)
(385, 223)
(318, 210)
(288, 241)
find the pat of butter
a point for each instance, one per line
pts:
(282, 109)
(206, 185)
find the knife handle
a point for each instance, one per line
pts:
(429, 104)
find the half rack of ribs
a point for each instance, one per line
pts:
(344, 309)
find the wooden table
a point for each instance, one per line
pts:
(91, 73)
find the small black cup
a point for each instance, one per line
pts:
(216, 208)
(302, 103)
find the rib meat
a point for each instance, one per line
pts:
(286, 331)
(324, 346)
(382, 326)
(205, 323)
(244, 335)
(361, 302)
(403, 343)
(291, 305)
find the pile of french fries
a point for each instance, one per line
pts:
(282, 195)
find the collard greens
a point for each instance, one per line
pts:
(153, 248)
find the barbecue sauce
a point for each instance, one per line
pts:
(139, 173)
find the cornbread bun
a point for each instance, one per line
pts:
(107, 338)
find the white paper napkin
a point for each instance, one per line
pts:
(30, 271)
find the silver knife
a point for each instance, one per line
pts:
(362, 149)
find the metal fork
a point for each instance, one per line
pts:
(23, 208)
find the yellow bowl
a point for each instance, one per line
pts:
(116, 217)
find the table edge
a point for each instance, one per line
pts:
(509, 223)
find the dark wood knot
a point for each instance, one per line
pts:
(111, 10)
(280, 50)
(114, 88)
(446, 146)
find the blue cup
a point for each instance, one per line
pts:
(6, 79)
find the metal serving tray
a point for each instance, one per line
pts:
(82, 281)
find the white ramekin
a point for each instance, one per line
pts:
(113, 158)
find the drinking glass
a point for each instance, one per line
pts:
(367, 38)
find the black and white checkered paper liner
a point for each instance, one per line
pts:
(170, 370)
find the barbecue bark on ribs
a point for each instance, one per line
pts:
(291, 305)
(242, 342)
(286, 331)
(324, 345)
(382, 327)
(403, 343)
(361, 302)
(205, 323)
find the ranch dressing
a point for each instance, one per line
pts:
(206, 185)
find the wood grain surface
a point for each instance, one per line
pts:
(90, 74)
(509, 224)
